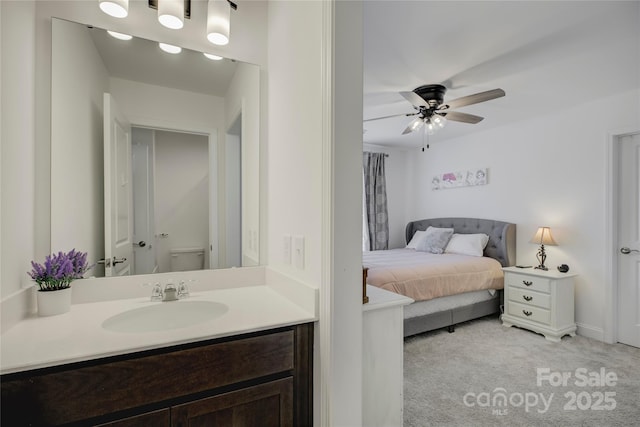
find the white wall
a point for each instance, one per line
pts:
(550, 170)
(18, 168)
(295, 134)
(243, 97)
(314, 181)
(181, 200)
(166, 108)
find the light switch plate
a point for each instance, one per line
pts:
(286, 249)
(298, 252)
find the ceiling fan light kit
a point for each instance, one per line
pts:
(433, 112)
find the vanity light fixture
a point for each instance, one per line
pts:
(213, 57)
(171, 13)
(115, 8)
(219, 21)
(169, 48)
(119, 36)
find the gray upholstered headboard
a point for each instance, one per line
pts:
(502, 235)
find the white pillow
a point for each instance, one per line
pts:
(435, 240)
(467, 244)
(417, 236)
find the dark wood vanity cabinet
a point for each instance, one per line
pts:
(260, 379)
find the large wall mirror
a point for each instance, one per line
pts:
(154, 155)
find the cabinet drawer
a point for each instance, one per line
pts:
(529, 312)
(529, 282)
(529, 297)
(103, 388)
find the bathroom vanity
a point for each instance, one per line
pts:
(250, 363)
(261, 379)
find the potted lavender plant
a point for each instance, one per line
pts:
(54, 279)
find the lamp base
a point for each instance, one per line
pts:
(542, 267)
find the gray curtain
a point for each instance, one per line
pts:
(375, 190)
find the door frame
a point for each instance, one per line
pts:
(610, 329)
(212, 134)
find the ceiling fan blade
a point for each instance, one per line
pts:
(475, 98)
(387, 117)
(415, 124)
(457, 116)
(414, 99)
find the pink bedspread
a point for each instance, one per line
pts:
(424, 276)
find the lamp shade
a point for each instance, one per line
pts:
(218, 21)
(115, 8)
(543, 237)
(171, 13)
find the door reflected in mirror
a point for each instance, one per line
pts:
(178, 190)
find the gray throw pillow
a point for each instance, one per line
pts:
(435, 240)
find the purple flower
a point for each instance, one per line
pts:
(59, 270)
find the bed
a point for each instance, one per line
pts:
(449, 298)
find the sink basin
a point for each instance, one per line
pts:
(164, 316)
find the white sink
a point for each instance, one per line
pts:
(164, 316)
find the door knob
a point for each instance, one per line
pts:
(140, 244)
(106, 262)
(627, 251)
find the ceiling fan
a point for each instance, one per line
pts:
(433, 112)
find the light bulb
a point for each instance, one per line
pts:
(431, 127)
(169, 48)
(115, 8)
(218, 22)
(439, 121)
(119, 36)
(213, 57)
(417, 124)
(171, 13)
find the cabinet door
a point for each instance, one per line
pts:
(159, 418)
(264, 405)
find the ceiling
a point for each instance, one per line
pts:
(546, 55)
(143, 61)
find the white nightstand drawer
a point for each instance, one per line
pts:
(539, 284)
(529, 312)
(529, 297)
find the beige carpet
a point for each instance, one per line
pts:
(487, 375)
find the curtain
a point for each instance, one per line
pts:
(375, 191)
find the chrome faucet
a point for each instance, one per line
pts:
(170, 292)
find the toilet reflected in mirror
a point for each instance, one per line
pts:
(187, 259)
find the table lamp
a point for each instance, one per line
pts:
(543, 237)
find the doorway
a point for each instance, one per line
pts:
(171, 197)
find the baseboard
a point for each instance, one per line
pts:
(590, 332)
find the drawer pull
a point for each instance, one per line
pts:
(527, 282)
(527, 313)
(527, 297)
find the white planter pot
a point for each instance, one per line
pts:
(51, 303)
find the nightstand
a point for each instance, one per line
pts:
(541, 301)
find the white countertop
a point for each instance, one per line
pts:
(38, 342)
